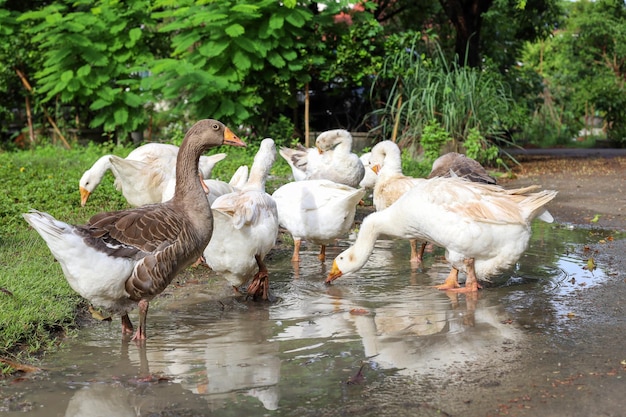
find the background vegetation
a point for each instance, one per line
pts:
(515, 71)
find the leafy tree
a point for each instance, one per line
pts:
(467, 16)
(584, 65)
(17, 53)
(7, 31)
(94, 56)
(230, 58)
(475, 29)
(355, 53)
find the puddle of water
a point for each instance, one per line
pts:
(295, 356)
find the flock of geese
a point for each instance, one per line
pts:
(122, 259)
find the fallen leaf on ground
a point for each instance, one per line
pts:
(358, 378)
(591, 264)
(149, 379)
(97, 315)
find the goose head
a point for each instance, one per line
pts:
(346, 262)
(333, 138)
(92, 177)
(386, 154)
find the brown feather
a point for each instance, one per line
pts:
(453, 163)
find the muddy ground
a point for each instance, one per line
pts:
(578, 372)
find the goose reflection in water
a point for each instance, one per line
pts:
(411, 328)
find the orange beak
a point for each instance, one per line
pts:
(319, 150)
(376, 169)
(84, 195)
(233, 140)
(334, 273)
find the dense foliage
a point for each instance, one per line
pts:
(584, 69)
(109, 68)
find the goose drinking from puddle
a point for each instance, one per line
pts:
(125, 258)
(145, 171)
(483, 228)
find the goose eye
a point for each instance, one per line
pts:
(216, 126)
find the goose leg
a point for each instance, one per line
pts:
(471, 283)
(140, 334)
(296, 250)
(201, 261)
(127, 326)
(260, 283)
(416, 255)
(451, 282)
(322, 255)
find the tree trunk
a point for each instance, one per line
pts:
(307, 104)
(466, 16)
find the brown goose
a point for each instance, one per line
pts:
(459, 165)
(123, 258)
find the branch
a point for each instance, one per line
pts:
(54, 125)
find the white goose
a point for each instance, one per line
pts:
(125, 258)
(318, 211)
(246, 227)
(333, 161)
(484, 228)
(391, 183)
(143, 182)
(369, 179)
(160, 156)
(301, 160)
(386, 162)
(338, 162)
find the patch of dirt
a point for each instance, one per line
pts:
(591, 189)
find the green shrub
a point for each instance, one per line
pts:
(422, 86)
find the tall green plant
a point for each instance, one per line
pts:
(425, 86)
(584, 66)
